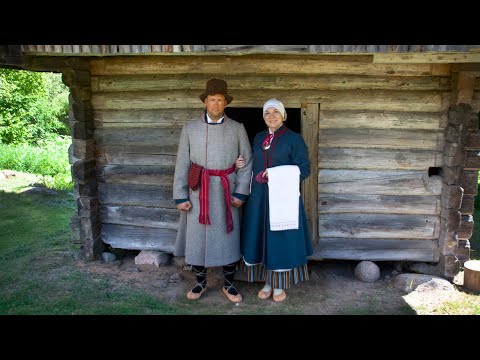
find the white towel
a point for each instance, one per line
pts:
(283, 197)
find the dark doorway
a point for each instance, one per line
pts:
(252, 119)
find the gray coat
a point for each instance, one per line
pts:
(210, 245)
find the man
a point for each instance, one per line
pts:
(209, 228)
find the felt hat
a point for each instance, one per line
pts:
(216, 86)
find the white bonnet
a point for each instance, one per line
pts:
(276, 104)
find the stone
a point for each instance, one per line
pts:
(153, 257)
(367, 271)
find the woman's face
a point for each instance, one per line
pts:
(273, 118)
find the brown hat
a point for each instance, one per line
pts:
(216, 86)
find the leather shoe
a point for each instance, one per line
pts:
(233, 298)
(194, 296)
(280, 297)
(264, 294)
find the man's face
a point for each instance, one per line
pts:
(215, 105)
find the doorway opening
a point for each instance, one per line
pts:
(252, 119)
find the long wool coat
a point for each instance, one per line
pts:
(210, 245)
(275, 249)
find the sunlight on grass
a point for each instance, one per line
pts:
(468, 305)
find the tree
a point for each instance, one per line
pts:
(33, 106)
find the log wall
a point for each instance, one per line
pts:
(380, 146)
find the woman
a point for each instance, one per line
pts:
(277, 257)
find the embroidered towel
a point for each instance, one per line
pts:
(283, 197)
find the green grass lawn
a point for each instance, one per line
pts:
(37, 272)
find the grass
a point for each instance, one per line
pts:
(49, 160)
(39, 274)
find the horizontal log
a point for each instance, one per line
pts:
(88, 189)
(83, 149)
(452, 175)
(451, 219)
(452, 197)
(376, 249)
(111, 156)
(255, 64)
(431, 57)
(139, 238)
(390, 182)
(475, 103)
(136, 195)
(137, 136)
(473, 160)
(268, 82)
(454, 154)
(467, 207)
(168, 118)
(147, 175)
(379, 226)
(470, 183)
(380, 100)
(140, 216)
(100, 151)
(382, 138)
(466, 227)
(390, 204)
(382, 120)
(473, 141)
(378, 159)
(83, 170)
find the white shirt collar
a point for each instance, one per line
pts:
(210, 121)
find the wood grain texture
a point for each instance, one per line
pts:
(135, 174)
(136, 195)
(150, 82)
(382, 138)
(139, 238)
(388, 204)
(378, 159)
(407, 101)
(140, 216)
(168, 118)
(347, 225)
(390, 182)
(382, 120)
(309, 125)
(253, 64)
(376, 249)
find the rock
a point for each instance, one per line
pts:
(423, 268)
(178, 261)
(367, 271)
(153, 257)
(175, 278)
(108, 257)
(408, 282)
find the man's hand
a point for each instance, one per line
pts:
(185, 206)
(235, 202)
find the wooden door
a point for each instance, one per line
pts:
(310, 113)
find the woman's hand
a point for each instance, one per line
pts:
(240, 163)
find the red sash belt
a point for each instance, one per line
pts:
(204, 217)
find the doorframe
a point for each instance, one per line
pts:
(310, 117)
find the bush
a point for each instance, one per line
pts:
(33, 106)
(48, 159)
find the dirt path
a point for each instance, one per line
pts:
(332, 289)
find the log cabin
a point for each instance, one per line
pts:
(392, 132)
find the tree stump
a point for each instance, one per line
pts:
(471, 275)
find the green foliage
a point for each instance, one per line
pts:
(33, 106)
(49, 159)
